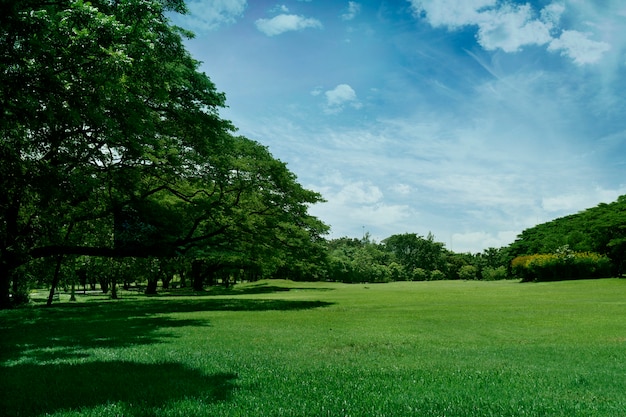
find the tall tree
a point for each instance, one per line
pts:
(112, 144)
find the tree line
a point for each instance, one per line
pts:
(591, 243)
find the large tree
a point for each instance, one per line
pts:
(112, 144)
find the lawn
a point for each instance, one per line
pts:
(280, 348)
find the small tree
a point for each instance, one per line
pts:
(468, 272)
(494, 274)
(420, 274)
(437, 275)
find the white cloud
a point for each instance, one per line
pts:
(468, 242)
(354, 205)
(286, 23)
(451, 13)
(316, 91)
(579, 47)
(353, 9)
(403, 189)
(280, 8)
(204, 15)
(510, 27)
(552, 13)
(577, 201)
(358, 193)
(341, 95)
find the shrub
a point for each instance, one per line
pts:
(468, 272)
(494, 274)
(397, 273)
(563, 265)
(437, 275)
(420, 274)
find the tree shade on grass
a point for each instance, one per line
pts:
(279, 348)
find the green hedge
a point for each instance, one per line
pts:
(563, 265)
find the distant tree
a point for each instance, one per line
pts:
(601, 229)
(494, 274)
(361, 260)
(414, 251)
(468, 272)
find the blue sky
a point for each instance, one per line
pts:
(471, 119)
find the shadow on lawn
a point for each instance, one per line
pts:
(137, 389)
(65, 331)
(250, 289)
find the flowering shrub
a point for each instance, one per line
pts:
(562, 265)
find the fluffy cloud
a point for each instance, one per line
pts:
(510, 27)
(468, 242)
(358, 193)
(341, 95)
(204, 16)
(451, 13)
(353, 9)
(354, 205)
(579, 47)
(286, 23)
(551, 14)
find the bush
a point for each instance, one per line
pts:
(468, 272)
(420, 274)
(437, 275)
(563, 265)
(494, 274)
(397, 273)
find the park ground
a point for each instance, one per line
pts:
(282, 348)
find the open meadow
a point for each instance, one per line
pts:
(281, 348)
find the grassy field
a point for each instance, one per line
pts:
(279, 348)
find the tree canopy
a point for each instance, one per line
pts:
(600, 229)
(112, 145)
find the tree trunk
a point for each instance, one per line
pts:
(5, 286)
(114, 288)
(57, 269)
(104, 284)
(197, 283)
(151, 289)
(183, 280)
(55, 280)
(166, 279)
(197, 276)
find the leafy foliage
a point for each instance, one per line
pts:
(409, 257)
(601, 229)
(112, 146)
(563, 265)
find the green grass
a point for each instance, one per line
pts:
(278, 348)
